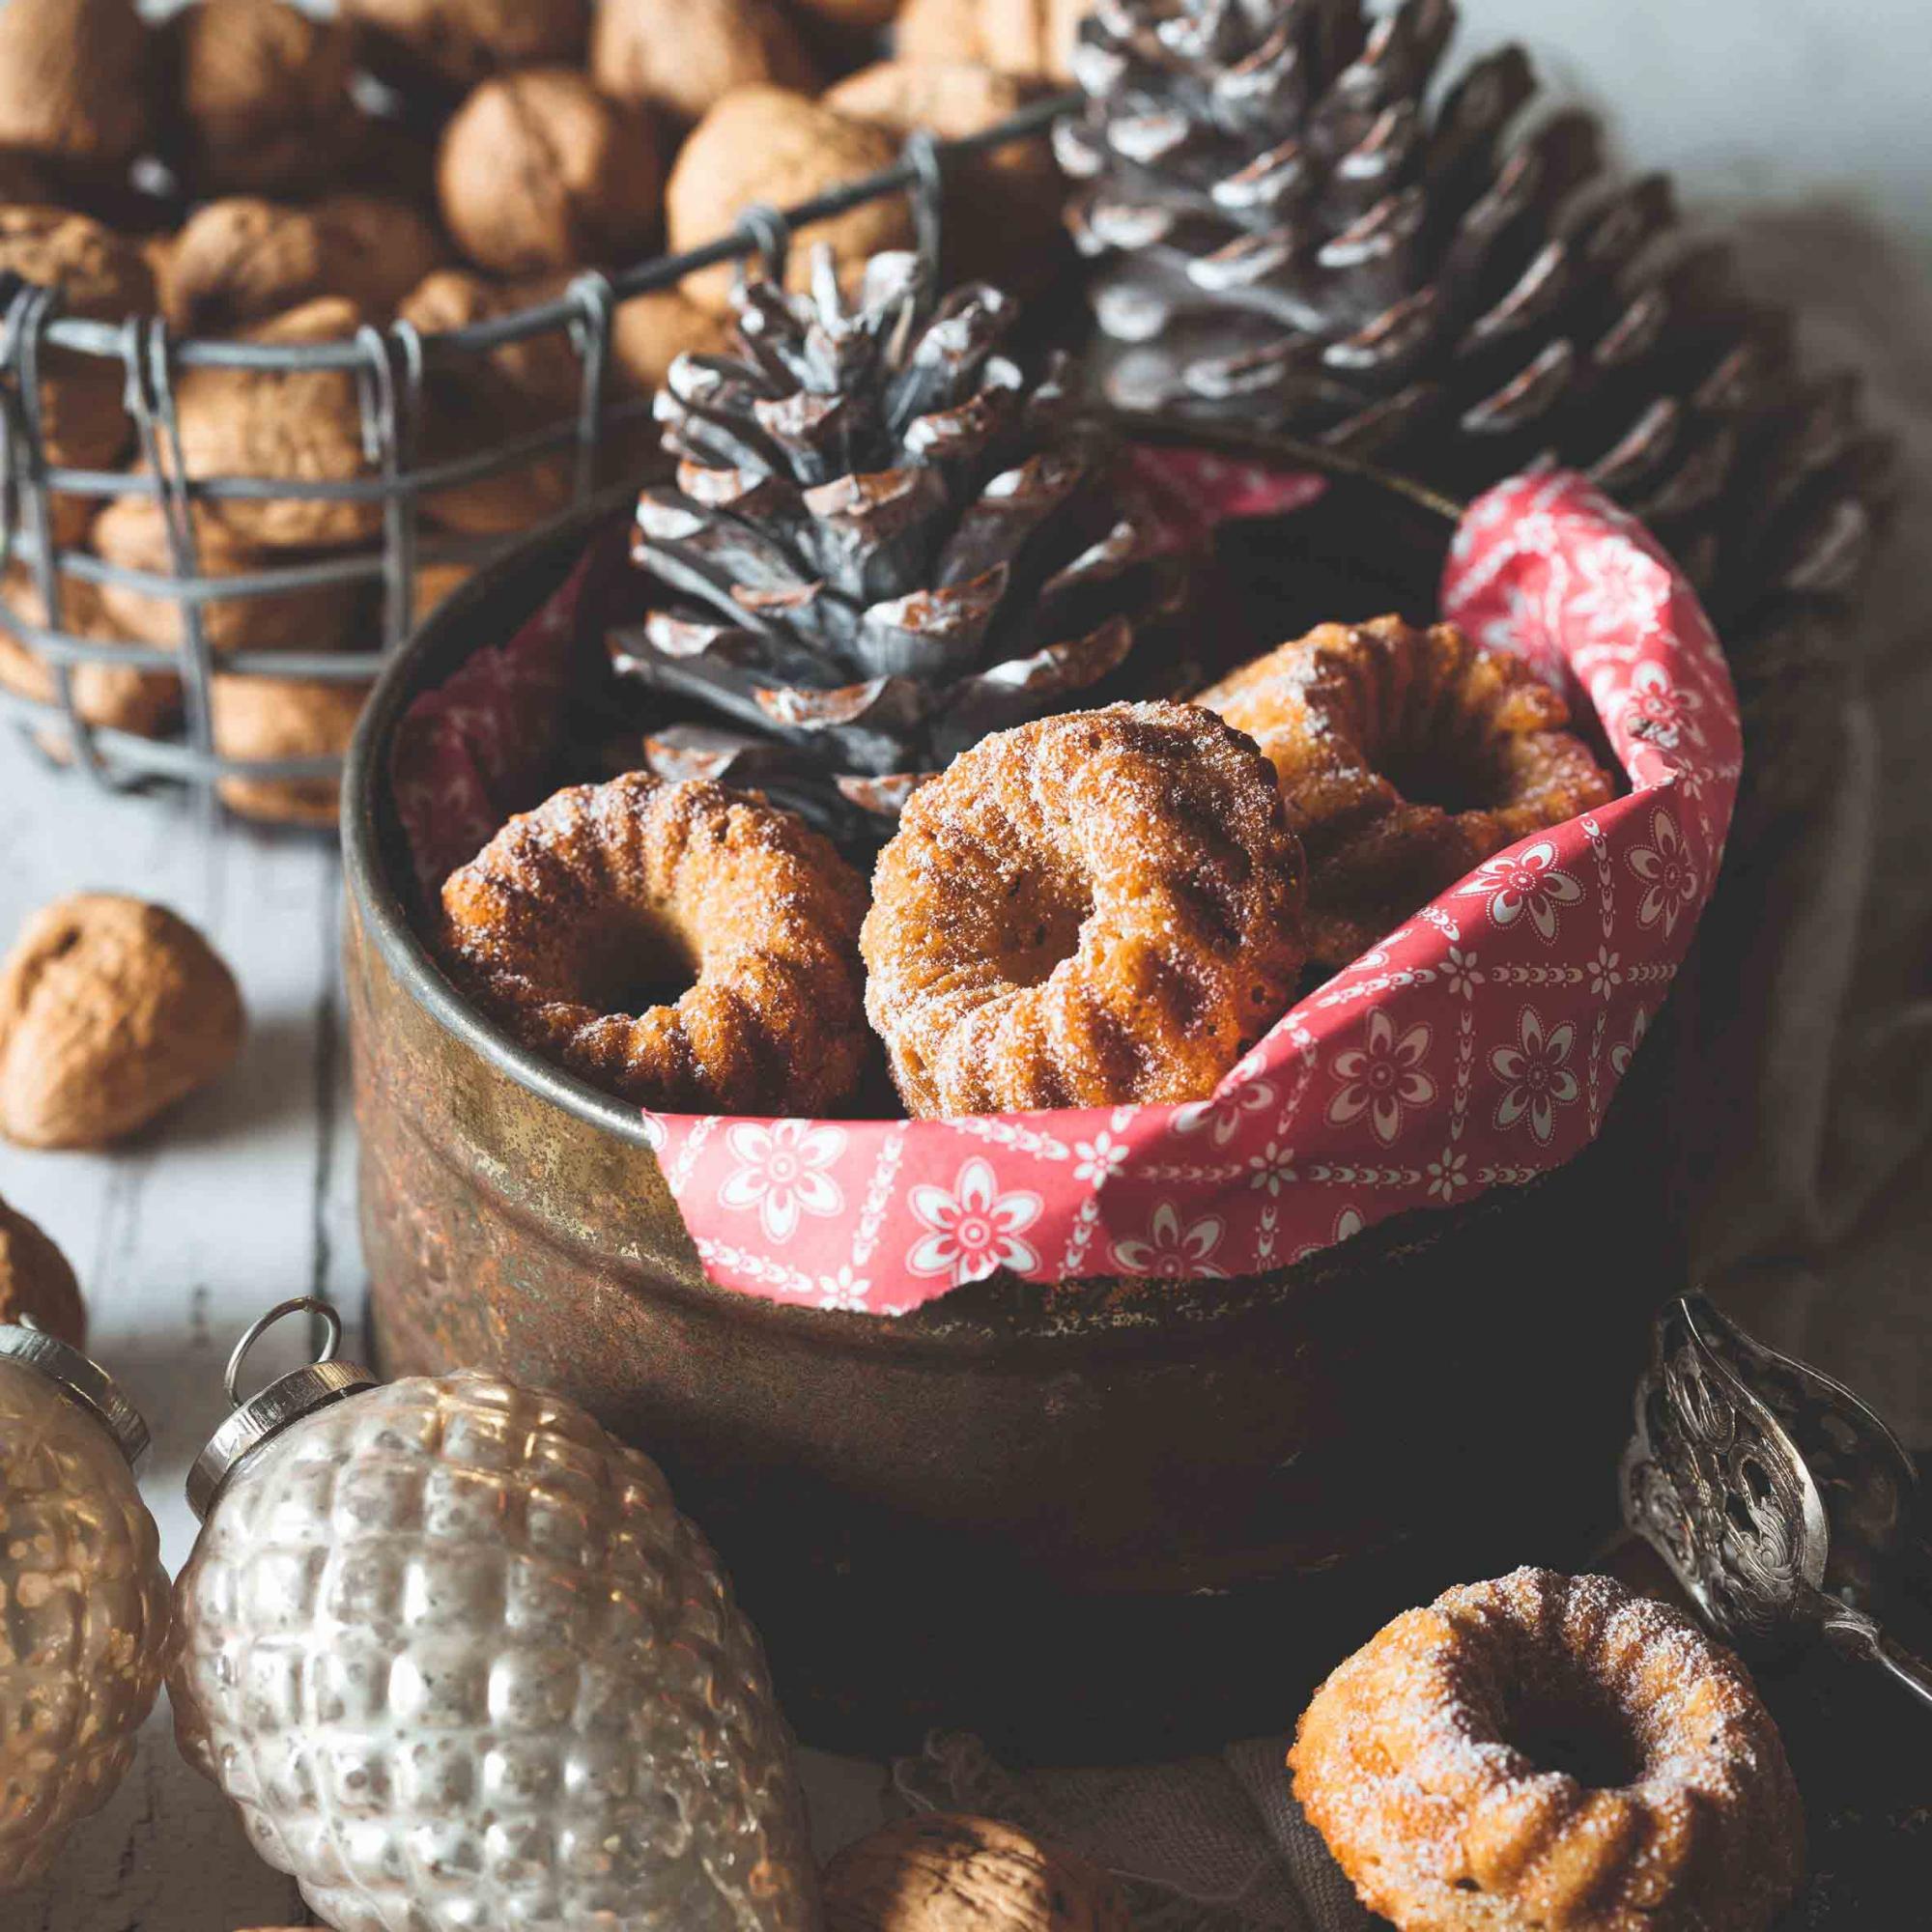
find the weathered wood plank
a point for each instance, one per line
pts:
(240, 1197)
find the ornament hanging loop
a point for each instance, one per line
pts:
(258, 1419)
(331, 1321)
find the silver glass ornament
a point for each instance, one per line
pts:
(463, 1666)
(84, 1599)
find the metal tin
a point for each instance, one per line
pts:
(1104, 1517)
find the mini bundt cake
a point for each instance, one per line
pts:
(1406, 758)
(1549, 1754)
(1088, 910)
(678, 944)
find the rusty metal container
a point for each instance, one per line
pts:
(1104, 1518)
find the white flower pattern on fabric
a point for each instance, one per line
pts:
(1526, 882)
(1536, 1082)
(1172, 1251)
(1461, 973)
(1669, 876)
(1621, 584)
(1097, 1161)
(1273, 1169)
(1348, 1223)
(1381, 1077)
(1220, 1117)
(1623, 1053)
(1659, 710)
(974, 1229)
(1605, 973)
(1447, 1175)
(845, 1291)
(780, 1172)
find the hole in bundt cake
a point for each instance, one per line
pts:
(1046, 916)
(1577, 1732)
(1454, 779)
(630, 964)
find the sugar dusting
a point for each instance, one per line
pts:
(1406, 1764)
(712, 885)
(1152, 837)
(1341, 712)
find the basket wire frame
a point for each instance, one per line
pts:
(390, 366)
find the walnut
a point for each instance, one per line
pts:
(539, 171)
(763, 145)
(938, 1872)
(116, 698)
(74, 80)
(649, 332)
(303, 424)
(435, 582)
(681, 56)
(1001, 217)
(476, 402)
(111, 1011)
(459, 42)
(84, 423)
(246, 260)
(1032, 39)
(262, 99)
(132, 533)
(284, 718)
(37, 1286)
(942, 32)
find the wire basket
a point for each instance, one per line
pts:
(389, 367)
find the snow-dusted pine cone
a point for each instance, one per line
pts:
(1297, 226)
(884, 542)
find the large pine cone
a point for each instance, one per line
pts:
(884, 542)
(1301, 229)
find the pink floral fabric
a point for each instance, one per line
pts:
(1474, 1047)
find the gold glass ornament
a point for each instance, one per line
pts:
(84, 1599)
(460, 1663)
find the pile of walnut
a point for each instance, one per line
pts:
(437, 162)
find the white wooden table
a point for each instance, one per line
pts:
(240, 1199)
(243, 1196)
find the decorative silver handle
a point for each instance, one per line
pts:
(1853, 1633)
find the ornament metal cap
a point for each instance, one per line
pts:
(85, 1381)
(286, 1399)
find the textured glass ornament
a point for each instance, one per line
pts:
(84, 1599)
(463, 1666)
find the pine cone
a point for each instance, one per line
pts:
(884, 542)
(1301, 229)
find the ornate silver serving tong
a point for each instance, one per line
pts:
(1777, 1497)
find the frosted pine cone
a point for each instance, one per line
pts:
(462, 1664)
(1305, 213)
(885, 541)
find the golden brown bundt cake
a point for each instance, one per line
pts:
(1088, 910)
(680, 945)
(1406, 758)
(1549, 1754)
